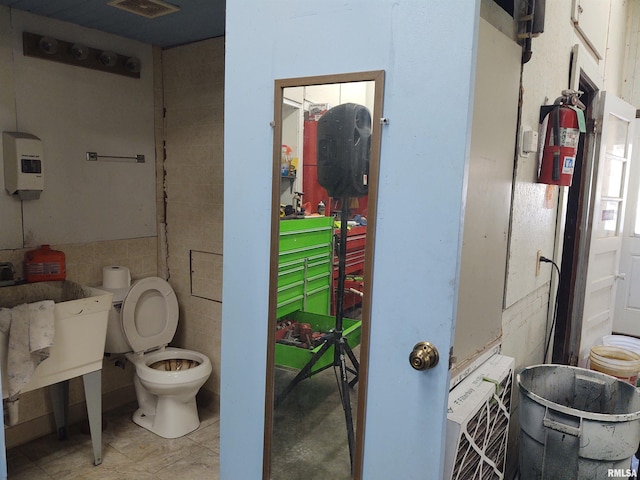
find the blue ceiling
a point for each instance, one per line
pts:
(196, 20)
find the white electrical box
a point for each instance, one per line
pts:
(23, 164)
(529, 143)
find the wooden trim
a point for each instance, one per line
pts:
(374, 169)
(278, 96)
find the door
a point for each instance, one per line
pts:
(421, 187)
(606, 219)
(626, 319)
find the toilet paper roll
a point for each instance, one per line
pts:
(115, 277)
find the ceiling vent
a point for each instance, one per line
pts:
(145, 8)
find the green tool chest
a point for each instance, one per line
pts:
(304, 265)
(296, 357)
(304, 287)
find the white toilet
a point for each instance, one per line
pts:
(142, 322)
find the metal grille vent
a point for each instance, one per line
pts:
(478, 423)
(482, 449)
(145, 8)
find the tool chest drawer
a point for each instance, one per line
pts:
(304, 265)
(296, 357)
(354, 268)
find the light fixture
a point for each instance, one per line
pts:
(132, 64)
(48, 45)
(79, 52)
(108, 58)
(80, 55)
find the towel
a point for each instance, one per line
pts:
(31, 331)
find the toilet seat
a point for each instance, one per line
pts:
(171, 378)
(149, 314)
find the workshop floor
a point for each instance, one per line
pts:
(128, 452)
(310, 429)
(309, 441)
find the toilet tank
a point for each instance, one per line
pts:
(116, 341)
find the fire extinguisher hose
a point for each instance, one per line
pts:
(555, 173)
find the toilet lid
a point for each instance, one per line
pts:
(149, 314)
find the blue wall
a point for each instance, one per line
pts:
(427, 49)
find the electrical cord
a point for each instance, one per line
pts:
(555, 307)
(546, 260)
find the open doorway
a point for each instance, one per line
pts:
(627, 310)
(593, 228)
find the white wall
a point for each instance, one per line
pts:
(631, 80)
(533, 225)
(488, 202)
(10, 216)
(535, 206)
(544, 78)
(535, 209)
(74, 110)
(193, 96)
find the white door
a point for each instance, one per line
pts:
(606, 218)
(626, 319)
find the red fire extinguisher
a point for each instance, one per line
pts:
(565, 121)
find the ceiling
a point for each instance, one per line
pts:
(196, 20)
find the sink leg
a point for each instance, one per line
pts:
(59, 393)
(93, 394)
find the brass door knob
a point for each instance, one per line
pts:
(424, 356)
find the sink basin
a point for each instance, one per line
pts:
(81, 315)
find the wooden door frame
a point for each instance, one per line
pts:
(576, 239)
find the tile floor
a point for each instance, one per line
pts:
(128, 452)
(309, 441)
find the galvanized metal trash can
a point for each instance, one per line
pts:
(576, 424)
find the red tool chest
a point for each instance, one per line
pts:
(354, 267)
